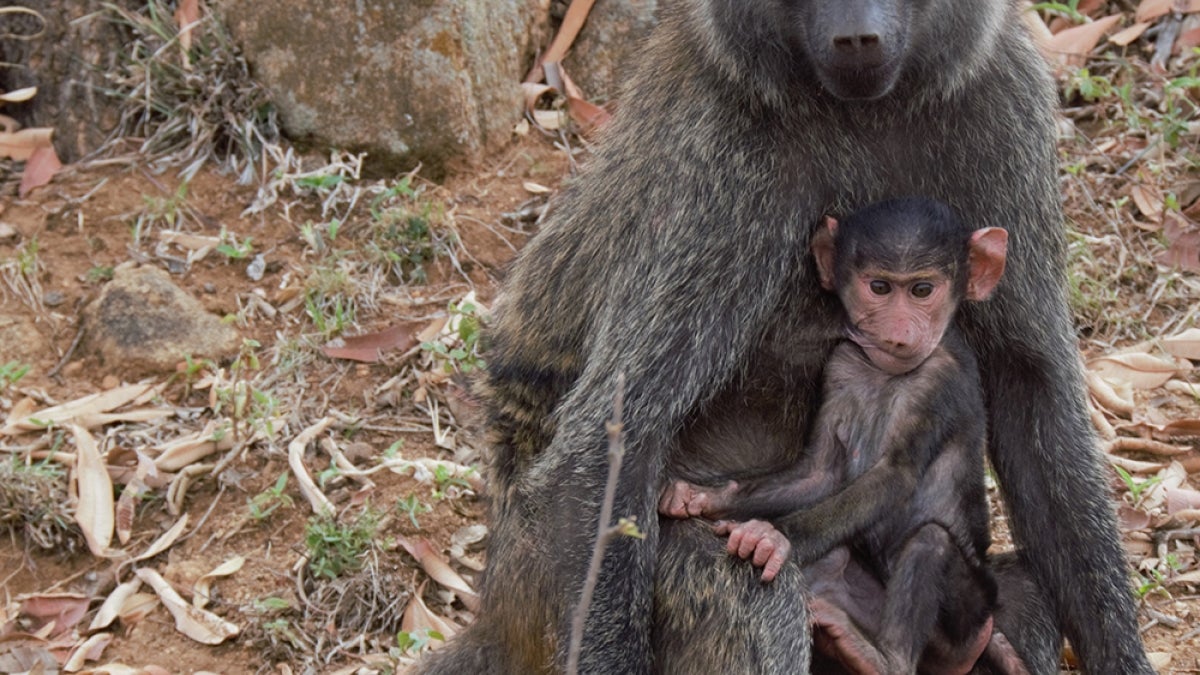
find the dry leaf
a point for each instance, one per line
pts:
(59, 612)
(317, 499)
(198, 624)
(126, 507)
(536, 188)
(1149, 201)
(1126, 36)
(110, 610)
(1181, 428)
(90, 405)
(137, 607)
(1139, 370)
(572, 21)
(1132, 519)
(440, 571)
(1182, 499)
(184, 451)
(166, 539)
(1159, 660)
(369, 347)
(18, 95)
(90, 649)
(202, 590)
(1183, 237)
(1072, 44)
(1152, 9)
(417, 617)
(93, 492)
(19, 145)
(187, 15)
(41, 166)
(1184, 345)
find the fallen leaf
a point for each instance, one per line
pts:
(126, 507)
(41, 166)
(1148, 200)
(1182, 499)
(84, 407)
(1183, 250)
(1184, 345)
(1181, 428)
(20, 145)
(1107, 395)
(1152, 9)
(1072, 44)
(187, 15)
(110, 610)
(536, 188)
(1132, 519)
(1139, 370)
(137, 607)
(165, 540)
(1126, 36)
(182, 452)
(90, 649)
(58, 611)
(18, 95)
(369, 347)
(418, 617)
(198, 624)
(1159, 660)
(440, 571)
(577, 13)
(92, 489)
(202, 590)
(317, 499)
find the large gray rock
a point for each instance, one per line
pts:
(142, 322)
(407, 81)
(599, 60)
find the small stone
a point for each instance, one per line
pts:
(142, 322)
(53, 298)
(8, 233)
(110, 382)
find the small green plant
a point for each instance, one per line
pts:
(412, 507)
(268, 501)
(465, 356)
(443, 478)
(99, 274)
(1089, 87)
(1151, 581)
(1068, 9)
(416, 641)
(406, 233)
(334, 548)
(164, 212)
(231, 248)
(11, 373)
(1136, 487)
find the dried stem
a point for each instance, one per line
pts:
(605, 532)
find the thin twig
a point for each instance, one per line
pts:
(604, 531)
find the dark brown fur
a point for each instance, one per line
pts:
(675, 259)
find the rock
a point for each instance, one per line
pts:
(600, 59)
(143, 322)
(434, 82)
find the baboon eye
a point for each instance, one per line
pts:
(879, 287)
(922, 289)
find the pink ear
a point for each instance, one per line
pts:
(822, 248)
(987, 256)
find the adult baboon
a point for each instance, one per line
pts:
(679, 258)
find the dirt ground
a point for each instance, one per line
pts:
(94, 218)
